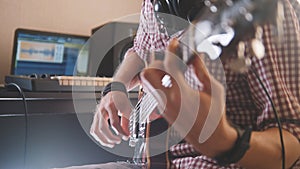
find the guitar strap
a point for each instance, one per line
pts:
(157, 134)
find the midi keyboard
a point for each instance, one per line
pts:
(59, 83)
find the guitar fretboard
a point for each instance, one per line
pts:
(139, 115)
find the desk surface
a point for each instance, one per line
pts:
(56, 136)
(11, 102)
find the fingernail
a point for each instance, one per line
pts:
(125, 138)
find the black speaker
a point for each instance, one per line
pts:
(108, 45)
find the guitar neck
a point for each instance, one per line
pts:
(220, 26)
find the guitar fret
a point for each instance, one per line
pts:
(147, 106)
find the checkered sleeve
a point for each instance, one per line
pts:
(279, 71)
(150, 36)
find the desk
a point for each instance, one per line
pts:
(55, 135)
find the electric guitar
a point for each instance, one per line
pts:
(223, 25)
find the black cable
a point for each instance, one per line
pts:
(276, 117)
(25, 118)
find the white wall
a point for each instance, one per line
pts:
(66, 16)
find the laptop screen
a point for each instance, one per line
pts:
(40, 52)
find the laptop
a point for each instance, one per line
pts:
(42, 52)
(50, 61)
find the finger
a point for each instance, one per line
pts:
(95, 128)
(125, 126)
(115, 120)
(95, 122)
(173, 45)
(101, 132)
(201, 73)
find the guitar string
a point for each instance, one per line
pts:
(150, 101)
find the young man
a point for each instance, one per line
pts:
(247, 117)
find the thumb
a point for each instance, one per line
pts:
(173, 61)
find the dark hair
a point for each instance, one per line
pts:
(186, 9)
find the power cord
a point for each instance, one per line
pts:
(277, 118)
(25, 118)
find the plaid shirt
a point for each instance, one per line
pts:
(246, 103)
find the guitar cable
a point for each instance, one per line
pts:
(21, 92)
(277, 118)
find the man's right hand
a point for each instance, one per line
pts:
(107, 127)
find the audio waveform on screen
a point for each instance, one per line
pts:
(40, 51)
(45, 52)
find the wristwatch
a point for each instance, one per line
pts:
(239, 149)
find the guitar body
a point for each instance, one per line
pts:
(157, 141)
(149, 136)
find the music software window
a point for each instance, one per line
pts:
(48, 53)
